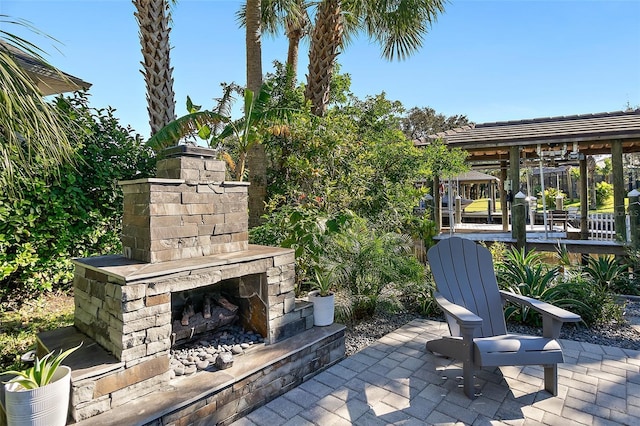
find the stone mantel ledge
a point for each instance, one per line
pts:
(224, 183)
(132, 271)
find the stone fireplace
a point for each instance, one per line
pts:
(185, 237)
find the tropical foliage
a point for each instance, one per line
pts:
(398, 27)
(610, 274)
(524, 273)
(30, 130)
(343, 191)
(588, 291)
(236, 138)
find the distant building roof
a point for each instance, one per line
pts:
(473, 176)
(592, 133)
(50, 81)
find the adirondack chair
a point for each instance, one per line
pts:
(467, 292)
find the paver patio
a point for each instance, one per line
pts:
(395, 381)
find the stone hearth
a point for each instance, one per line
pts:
(185, 231)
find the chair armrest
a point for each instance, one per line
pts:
(463, 316)
(544, 308)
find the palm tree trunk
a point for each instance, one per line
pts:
(153, 20)
(257, 156)
(253, 45)
(294, 37)
(326, 41)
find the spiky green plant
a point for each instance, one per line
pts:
(606, 272)
(524, 273)
(42, 371)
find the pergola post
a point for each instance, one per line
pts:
(514, 172)
(503, 196)
(634, 213)
(437, 204)
(518, 220)
(618, 190)
(584, 201)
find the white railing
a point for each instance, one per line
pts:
(602, 226)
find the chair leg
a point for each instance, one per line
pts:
(467, 361)
(468, 379)
(551, 379)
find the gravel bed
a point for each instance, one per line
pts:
(363, 333)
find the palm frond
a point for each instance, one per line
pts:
(187, 125)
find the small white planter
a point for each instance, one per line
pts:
(323, 308)
(44, 406)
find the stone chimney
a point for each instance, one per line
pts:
(187, 211)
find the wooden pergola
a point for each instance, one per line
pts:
(569, 138)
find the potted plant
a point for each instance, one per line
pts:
(39, 395)
(322, 297)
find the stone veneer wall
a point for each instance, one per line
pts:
(187, 211)
(226, 405)
(130, 316)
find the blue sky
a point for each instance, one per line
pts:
(490, 60)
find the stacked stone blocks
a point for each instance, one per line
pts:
(188, 211)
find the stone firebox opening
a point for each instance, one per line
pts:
(206, 309)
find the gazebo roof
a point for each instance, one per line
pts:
(50, 81)
(590, 133)
(473, 176)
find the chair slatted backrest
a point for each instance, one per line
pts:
(463, 273)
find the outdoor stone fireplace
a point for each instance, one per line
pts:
(185, 237)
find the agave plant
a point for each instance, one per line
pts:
(42, 371)
(605, 271)
(525, 274)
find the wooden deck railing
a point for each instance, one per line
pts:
(602, 226)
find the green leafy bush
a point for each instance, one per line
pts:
(550, 195)
(370, 261)
(604, 191)
(77, 214)
(596, 304)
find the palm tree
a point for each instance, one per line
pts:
(398, 26)
(153, 18)
(289, 16)
(256, 157)
(32, 137)
(255, 16)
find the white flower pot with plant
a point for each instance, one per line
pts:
(322, 297)
(39, 395)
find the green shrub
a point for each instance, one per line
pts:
(370, 262)
(75, 215)
(597, 305)
(418, 296)
(604, 191)
(550, 195)
(305, 229)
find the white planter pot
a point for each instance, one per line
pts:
(323, 308)
(44, 406)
